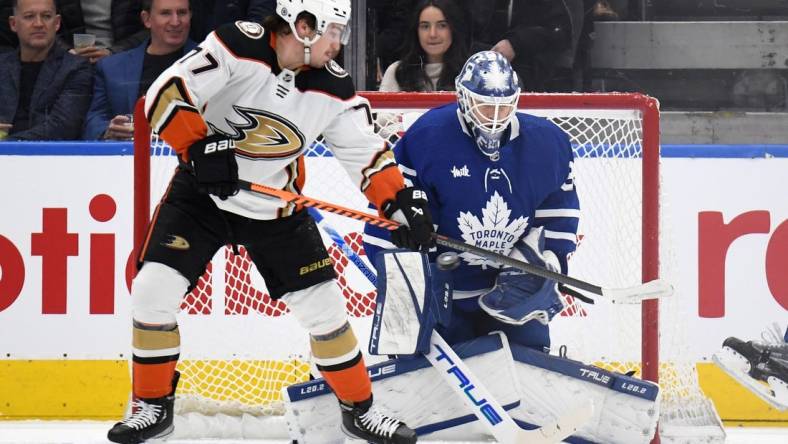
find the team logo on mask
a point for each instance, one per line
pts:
(265, 135)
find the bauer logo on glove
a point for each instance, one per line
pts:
(214, 166)
(221, 145)
(410, 208)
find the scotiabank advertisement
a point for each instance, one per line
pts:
(66, 241)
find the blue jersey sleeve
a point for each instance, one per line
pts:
(559, 212)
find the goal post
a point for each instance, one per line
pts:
(624, 240)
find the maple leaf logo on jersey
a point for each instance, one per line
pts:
(495, 232)
(264, 135)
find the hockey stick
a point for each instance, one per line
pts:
(649, 290)
(463, 381)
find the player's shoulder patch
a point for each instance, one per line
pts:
(334, 68)
(250, 29)
(246, 40)
(332, 80)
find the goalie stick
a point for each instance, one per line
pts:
(462, 380)
(654, 289)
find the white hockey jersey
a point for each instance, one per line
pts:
(232, 84)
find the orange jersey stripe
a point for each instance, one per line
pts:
(184, 128)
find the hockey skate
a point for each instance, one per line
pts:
(760, 366)
(363, 421)
(150, 418)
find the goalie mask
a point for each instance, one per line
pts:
(487, 94)
(331, 19)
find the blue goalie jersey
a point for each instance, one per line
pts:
(490, 204)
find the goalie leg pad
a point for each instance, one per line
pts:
(411, 390)
(412, 297)
(156, 294)
(627, 408)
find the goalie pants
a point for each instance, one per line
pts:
(187, 230)
(468, 321)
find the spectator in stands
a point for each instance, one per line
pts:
(122, 78)
(45, 90)
(531, 34)
(207, 15)
(434, 50)
(115, 24)
(390, 18)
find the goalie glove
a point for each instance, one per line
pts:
(519, 297)
(212, 160)
(410, 209)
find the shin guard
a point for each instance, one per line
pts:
(155, 353)
(339, 360)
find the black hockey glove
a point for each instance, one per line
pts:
(411, 210)
(214, 165)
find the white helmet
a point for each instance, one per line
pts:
(326, 12)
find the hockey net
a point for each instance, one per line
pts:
(239, 347)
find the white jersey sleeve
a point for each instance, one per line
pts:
(351, 137)
(174, 102)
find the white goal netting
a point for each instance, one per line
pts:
(239, 348)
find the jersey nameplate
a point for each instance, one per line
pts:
(250, 29)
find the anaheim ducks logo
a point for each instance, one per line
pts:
(176, 242)
(264, 135)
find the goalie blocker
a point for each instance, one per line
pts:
(413, 297)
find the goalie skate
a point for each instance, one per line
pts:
(762, 368)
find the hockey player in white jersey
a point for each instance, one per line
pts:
(500, 180)
(246, 103)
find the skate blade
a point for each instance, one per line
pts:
(730, 358)
(780, 390)
(163, 436)
(737, 367)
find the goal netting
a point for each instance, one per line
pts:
(239, 347)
